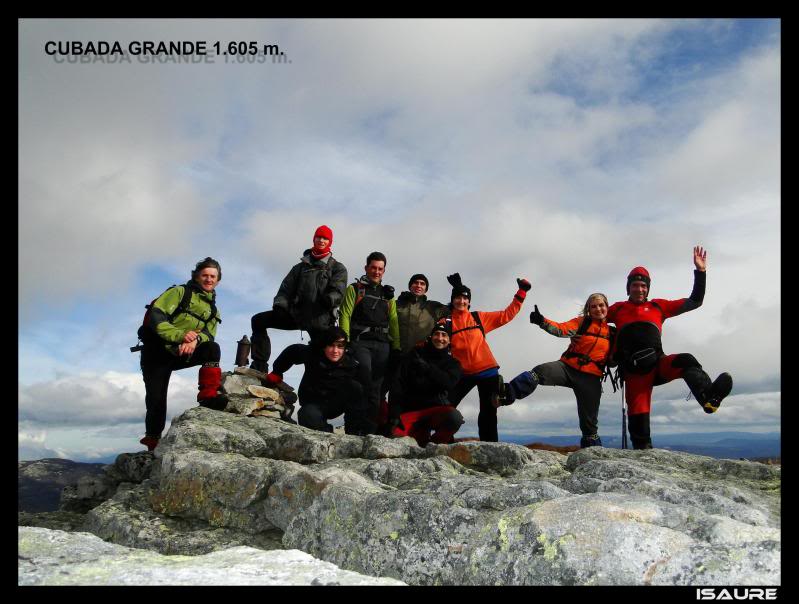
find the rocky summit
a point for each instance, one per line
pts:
(470, 513)
(249, 492)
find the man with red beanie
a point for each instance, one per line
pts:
(306, 300)
(639, 352)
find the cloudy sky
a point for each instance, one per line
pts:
(564, 151)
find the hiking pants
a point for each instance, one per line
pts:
(487, 387)
(443, 421)
(638, 388)
(372, 356)
(260, 344)
(157, 365)
(587, 390)
(348, 399)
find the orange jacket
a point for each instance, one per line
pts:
(470, 346)
(588, 352)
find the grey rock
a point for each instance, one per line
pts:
(463, 514)
(49, 557)
(59, 520)
(128, 519)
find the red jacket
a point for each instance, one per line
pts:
(470, 346)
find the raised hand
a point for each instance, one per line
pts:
(536, 317)
(700, 257)
(524, 285)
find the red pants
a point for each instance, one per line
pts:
(442, 420)
(638, 388)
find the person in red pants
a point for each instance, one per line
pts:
(639, 352)
(179, 332)
(419, 395)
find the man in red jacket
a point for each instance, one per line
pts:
(639, 352)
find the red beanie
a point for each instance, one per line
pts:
(326, 232)
(639, 273)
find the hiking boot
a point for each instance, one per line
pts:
(590, 441)
(218, 402)
(501, 398)
(720, 389)
(262, 366)
(151, 442)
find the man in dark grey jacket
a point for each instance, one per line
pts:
(306, 300)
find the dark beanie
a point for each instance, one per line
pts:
(416, 277)
(458, 288)
(444, 325)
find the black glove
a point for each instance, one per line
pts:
(524, 285)
(388, 292)
(536, 317)
(418, 363)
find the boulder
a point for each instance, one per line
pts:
(469, 513)
(48, 557)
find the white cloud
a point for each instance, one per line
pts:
(496, 148)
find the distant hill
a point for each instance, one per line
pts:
(721, 445)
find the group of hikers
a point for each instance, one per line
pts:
(400, 366)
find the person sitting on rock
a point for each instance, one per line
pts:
(419, 394)
(580, 368)
(179, 333)
(329, 385)
(307, 298)
(639, 352)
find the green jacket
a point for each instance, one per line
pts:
(196, 318)
(348, 306)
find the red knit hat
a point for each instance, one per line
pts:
(639, 273)
(326, 232)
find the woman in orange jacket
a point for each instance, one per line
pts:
(580, 367)
(470, 348)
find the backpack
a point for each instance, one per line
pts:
(478, 325)
(146, 332)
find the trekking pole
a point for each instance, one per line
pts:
(623, 420)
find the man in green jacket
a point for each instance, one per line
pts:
(368, 316)
(178, 333)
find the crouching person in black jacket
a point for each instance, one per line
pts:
(329, 386)
(419, 395)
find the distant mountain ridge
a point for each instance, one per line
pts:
(721, 445)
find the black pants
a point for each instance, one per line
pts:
(372, 356)
(347, 399)
(260, 345)
(487, 387)
(157, 366)
(587, 389)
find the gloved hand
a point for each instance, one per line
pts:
(274, 378)
(536, 317)
(418, 363)
(388, 292)
(524, 285)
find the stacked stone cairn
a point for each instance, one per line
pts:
(248, 395)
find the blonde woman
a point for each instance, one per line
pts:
(580, 367)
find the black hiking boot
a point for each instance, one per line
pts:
(262, 366)
(500, 398)
(590, 441)
(720, 389)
